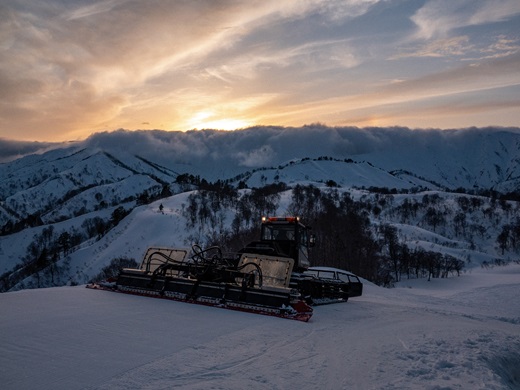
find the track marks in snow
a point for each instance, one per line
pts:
(233, 361)
(76, 338)
(481, 361)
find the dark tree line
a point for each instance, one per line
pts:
(509, 237)
(347, 239)
(345, 236)
(206, 209)
(41, 260)
(397, 259)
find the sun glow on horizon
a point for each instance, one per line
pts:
(208, 120)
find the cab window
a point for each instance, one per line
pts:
(343, 277)
(278, 233)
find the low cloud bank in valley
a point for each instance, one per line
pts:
(11, 150)
(212, 152)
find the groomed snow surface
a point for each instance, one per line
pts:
(456, 333)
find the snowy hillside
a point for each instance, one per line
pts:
(80, 177)
(164, 223)
(99, 199)
(456, 333)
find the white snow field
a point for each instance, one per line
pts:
(456, 333)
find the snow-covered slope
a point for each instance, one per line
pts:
(393, 158)
(343, 173)
(456, 333)
(163, 223)
(46, 184)
(71, 187)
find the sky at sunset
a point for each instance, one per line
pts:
(69, 68)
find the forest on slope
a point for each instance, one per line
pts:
(379, 234)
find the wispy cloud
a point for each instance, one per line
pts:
(92, 9)
(502, 47)
(437, 18)
(70, 68)
(445, 47)
(461, 47)
(485, 86)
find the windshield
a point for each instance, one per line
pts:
(278, 233)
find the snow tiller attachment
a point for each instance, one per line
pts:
(251, 283)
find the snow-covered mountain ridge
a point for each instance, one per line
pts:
(470, 159)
